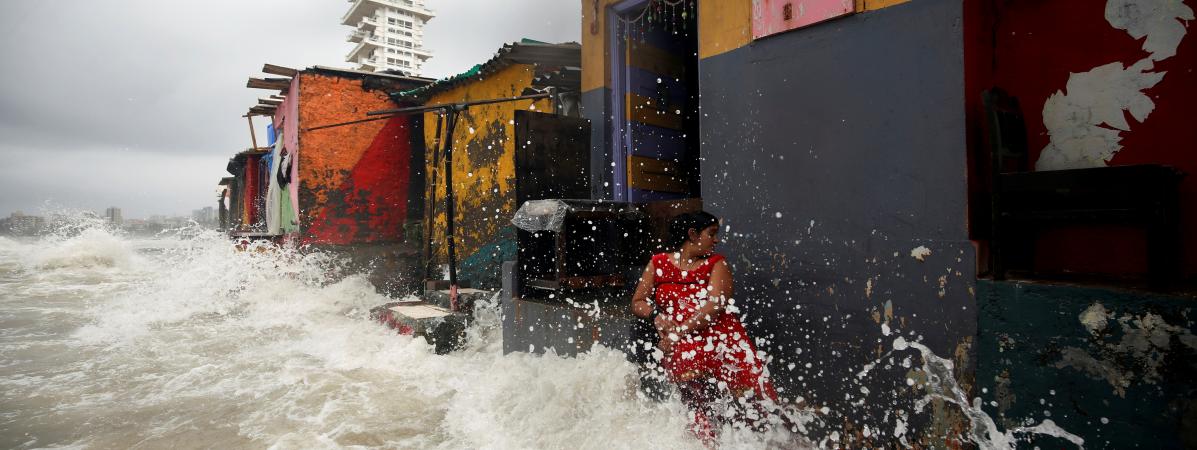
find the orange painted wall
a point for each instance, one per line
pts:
(353, 180)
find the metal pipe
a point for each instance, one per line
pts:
(430, 203)
(416, 109)
(388, 113)
(449, 228)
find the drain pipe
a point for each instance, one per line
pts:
(451, 112)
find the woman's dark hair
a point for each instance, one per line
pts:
(680, 226)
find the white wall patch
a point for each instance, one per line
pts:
(1085, 122)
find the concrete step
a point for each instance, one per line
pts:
(442, 328)
(466, 298)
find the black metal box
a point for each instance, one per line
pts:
(579, 244)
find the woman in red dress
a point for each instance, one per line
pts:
(687, 294)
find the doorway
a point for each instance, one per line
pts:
(654, 100)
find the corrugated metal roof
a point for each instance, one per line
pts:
(546, 57)
(567, 78)
(362, 73)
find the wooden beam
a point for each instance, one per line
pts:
(655, 175)
(262, 110)
(279, 70)
(646, 110)
(266, 101)
(274, 84)
(252, 136)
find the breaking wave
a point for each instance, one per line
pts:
(108, 341)
(93, 247)
(183, 340)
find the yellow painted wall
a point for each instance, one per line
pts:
(594, 44)
(483, 160)
(723, 26)
(871, 5)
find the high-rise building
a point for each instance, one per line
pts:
(205, 217)
(114, 216)
(388, 35)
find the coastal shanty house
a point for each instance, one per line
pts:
(497, 149)
(936, 170)
(245, 196)
(354, 189)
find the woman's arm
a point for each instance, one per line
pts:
(644, 290)
(719, 291)
(642, 307)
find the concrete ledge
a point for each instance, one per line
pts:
(466, 298)
(442, 328)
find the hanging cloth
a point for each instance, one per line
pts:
(273, 192)
(287, 217)
(284, 171)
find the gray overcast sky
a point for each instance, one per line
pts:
(138, 103)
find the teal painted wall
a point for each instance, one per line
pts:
(1114, 367)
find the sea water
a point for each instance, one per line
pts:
(184, 341)
(108, 341)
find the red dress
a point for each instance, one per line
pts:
(722, 352)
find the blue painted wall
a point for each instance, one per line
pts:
(1114, 367)
(831, 152)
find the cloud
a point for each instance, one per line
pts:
(100, 98)
(465, 33)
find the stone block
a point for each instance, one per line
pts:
(442, 328)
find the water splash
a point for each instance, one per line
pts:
(111, 341)
(940, 384)
(190, 340)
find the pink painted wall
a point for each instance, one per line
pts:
(769, 16)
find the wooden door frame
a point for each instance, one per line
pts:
(620, 136)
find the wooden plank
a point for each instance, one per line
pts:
(274, 84)
(279, 70)
(266, 101)
(657, 142)
(646, 110)
(655, 175)
(655, 60)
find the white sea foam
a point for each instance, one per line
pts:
(191, 342)
(111, 342)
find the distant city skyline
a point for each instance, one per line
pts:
(109, 214)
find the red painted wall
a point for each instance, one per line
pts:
(353, 180)
(370, 203)
(249, 198)
(1030, 48)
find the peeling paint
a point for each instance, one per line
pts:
(1086, 122)
(483, 172)
(1145, 342)
(920, 253)
(1095, 318)
(1157, 20)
